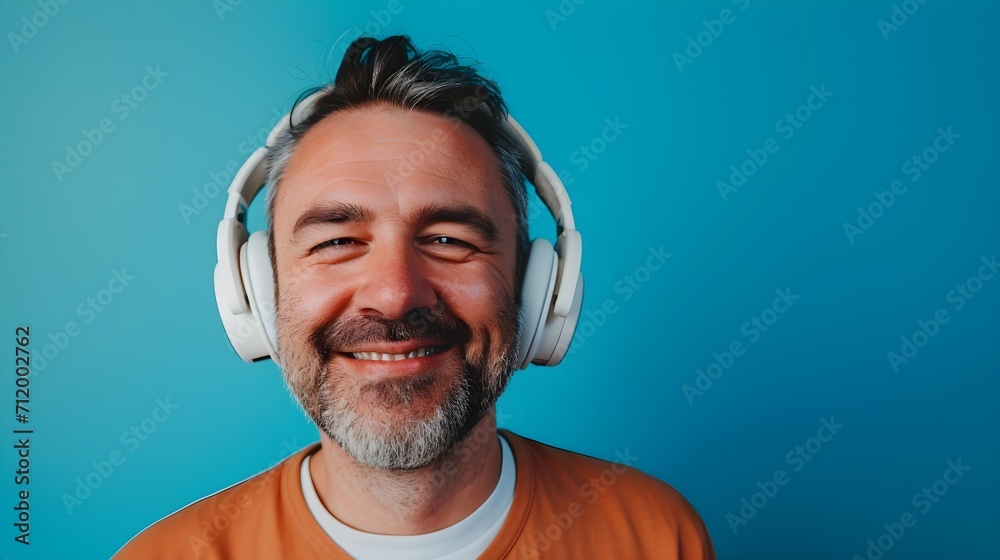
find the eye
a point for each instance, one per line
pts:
(450, 241)
(339, 242)
(449, 248)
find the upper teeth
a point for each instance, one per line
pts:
(379, 356)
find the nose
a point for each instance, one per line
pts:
(395, 284)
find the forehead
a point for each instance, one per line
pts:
(388, 158)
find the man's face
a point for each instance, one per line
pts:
(395, 258)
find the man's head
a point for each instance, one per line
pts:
(397, 226)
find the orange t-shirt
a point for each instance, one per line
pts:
(566, 506)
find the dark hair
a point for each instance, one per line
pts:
(391, 71)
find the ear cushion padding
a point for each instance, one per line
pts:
(258, 278)
(242, 329)
(536, 296)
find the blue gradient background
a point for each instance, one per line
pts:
(655, 185)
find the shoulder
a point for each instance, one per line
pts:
(616, 495)
(592, 479)
(214, 526)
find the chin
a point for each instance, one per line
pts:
(399, 423)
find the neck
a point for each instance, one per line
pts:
(411, 502)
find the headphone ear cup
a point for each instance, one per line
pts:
(258, 279)
(536, 299)
(242, 329)
(558, 332)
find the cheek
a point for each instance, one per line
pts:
(480, 301)
(465, 296)
(307, 298)
(474, 293)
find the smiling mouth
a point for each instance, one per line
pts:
(383, 357)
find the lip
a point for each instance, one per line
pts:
(398, 368)
(404, 347)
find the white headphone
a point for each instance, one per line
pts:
(552, 289)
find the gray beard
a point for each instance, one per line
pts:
(408, 445)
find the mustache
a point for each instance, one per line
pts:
(359, 330)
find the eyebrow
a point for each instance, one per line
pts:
(459, 214)
(332, 213)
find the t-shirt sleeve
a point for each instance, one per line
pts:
(664, 524)
(693, 541)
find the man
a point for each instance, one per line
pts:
(397, 235)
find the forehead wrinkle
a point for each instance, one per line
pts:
(449, 156)
(307, 163)
(459, 140)
(330, 174)
(380, 180)
(332, 146)
(452, 147)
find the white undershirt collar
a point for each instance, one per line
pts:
(466, 539)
